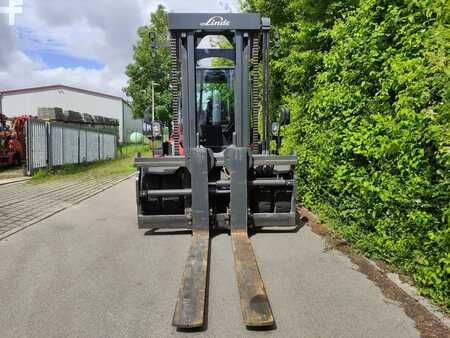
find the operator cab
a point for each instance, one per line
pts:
(215, 107)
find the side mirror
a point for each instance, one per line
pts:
(285, 116)
(275, 129)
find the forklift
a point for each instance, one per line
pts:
(221, 174)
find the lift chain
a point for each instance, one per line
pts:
(174, 83)
(255, 92)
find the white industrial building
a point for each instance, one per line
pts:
(27, 101)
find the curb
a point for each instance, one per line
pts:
(411, 291)
(45, 216)
(14, 180)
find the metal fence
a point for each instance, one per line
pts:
(52, 144)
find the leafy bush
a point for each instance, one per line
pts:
(368, 86)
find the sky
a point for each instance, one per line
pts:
(84, 43)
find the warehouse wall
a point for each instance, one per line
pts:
(130, 125)
(20, 103)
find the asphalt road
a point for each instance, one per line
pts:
(89, 272)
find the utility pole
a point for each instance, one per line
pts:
(153, 100)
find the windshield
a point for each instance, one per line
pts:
(215, 107)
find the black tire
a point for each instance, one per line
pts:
(282, 202)
(264, 207)
(282, 207)
(150, 206)
(172, 205)
(264, 202)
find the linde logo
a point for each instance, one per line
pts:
(216, 21)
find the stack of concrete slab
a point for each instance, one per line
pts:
(111, 122)
(51, 114)
(87, 118)
(57, 114)
(72, 116)
(99, 119)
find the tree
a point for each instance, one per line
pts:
(146, 68)
(222, 42)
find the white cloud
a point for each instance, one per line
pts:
(101, 30)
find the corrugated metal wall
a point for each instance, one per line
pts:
(37, 144)
(92, 146)
(109, 146)
(129, 124)
(52, 144)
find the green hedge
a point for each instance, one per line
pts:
(368, 86)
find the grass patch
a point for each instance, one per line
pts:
(122, 165)
(10, 172)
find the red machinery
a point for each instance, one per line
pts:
(12, 140)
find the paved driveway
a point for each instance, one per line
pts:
(89, 272)
(26, 203)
